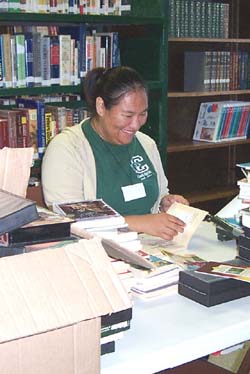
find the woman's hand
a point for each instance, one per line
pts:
(168, 200)
(163, 225)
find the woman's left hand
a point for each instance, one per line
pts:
(168, 200)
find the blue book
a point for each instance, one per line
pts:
(39, 105)
(82, 50)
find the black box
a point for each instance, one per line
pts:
(212, 290)
(244, 247)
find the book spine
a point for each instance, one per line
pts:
(65, 60)
(20, 60)
(29, 60)
(45, 61)
(4, 139)
(54, 59)
(7, 83)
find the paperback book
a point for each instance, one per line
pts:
(89, 213)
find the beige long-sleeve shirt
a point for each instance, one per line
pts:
(69, 171)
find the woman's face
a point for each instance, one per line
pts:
(119, 124)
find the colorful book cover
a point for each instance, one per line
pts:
(40, 107)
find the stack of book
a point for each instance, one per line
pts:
(97, 218)
(159, 281)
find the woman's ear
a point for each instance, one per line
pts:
(100, 106)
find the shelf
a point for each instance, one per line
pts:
(211, 195)
(40, 90)
(183, 146)
(208, 40)
(51, 18)
(208, 93)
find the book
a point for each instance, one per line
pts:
(39, 105)
(10, 116)
(15, 211)
(226, 270)
(217, 121)
(210, 290)
(90, 213)
(20, 60)
(47, 228)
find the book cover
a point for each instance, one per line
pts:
(210, 290)
(48, 227)
(15, 211)
(226, 270)
(90, 213)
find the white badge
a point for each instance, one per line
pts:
(133, 191)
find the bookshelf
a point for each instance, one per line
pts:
(205, 173)
(142, 43)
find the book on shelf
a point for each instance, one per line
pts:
(10, 116)
(47, 228)
(90, 213)
(200, 19)
(222, 121)
(15, 211)
(39, 105)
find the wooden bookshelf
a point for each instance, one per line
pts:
(204, 172)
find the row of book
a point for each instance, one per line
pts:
(216, 70)
(35, 59)
(33, 123)
(100, 7)
(222, 121)
(198, 18)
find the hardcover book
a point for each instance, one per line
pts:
(48, 227)
(244, 247)
(211, 290)
(15, 211)
(226, 270)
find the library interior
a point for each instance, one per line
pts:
(78, 272)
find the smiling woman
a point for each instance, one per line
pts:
(107, 156)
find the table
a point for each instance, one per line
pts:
(173, 330)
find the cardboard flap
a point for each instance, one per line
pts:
(49, 289)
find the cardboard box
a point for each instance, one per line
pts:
(51, 307)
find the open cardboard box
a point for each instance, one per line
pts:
(51, 307)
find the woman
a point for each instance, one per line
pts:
(106, 156)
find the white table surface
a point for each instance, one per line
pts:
(174, 330)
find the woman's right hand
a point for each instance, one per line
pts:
(163, 225)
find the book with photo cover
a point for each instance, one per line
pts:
(89, 213)
(210, 290)
(48, 227)
(15, 211)
(226, 270)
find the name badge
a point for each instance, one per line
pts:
(133, 191)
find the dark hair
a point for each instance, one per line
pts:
(111, 85)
